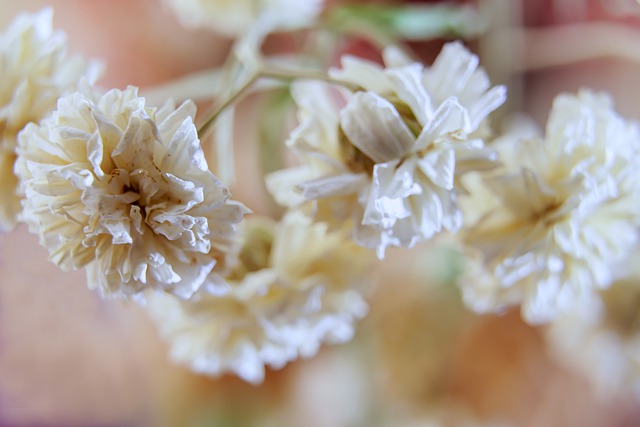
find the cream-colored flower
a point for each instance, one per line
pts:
(34, 71)
(125, 191)
(568, 210)
(235, 17)
(391, 158)
(600, 338)
(293, 288)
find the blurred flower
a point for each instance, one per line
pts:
(568, 211)
(125, 190)
(294, 287)
(391, 157)
(233, 18)
(600, 337)
(35, 70)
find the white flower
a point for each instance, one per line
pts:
(599, 338)
(391, 157)
(125, 190)
(34, 71)
(568, 210)
(293, 288)
(235, 17)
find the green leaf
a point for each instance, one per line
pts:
(411, 22)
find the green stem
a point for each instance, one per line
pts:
(287, 75)
(206, 126)
(267, 73)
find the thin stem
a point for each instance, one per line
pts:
(217, 110)
(290, 75)
(267, 73)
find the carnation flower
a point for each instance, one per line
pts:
(295, 286)
(391, 158)
(124, 190)
(568, 211)
(234, 18)
(35, 70)
(600, 338)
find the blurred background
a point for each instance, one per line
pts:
(68, 358)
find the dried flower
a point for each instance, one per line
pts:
(293, 288)
(568, 210)
(391, 157)
(125, 190)
(35, 70)
(234, 18)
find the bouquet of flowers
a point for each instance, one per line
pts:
(390, 181)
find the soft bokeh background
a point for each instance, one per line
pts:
(69, 358)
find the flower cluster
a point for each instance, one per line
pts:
(567, 210)
(388, 155)
(294, 285)
(35, 70)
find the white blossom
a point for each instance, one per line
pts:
(293, 288)
(125, 191)
(388, 155)
(35, 70)
(233, 18)
(568, 210)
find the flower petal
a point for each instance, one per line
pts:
(375, 127)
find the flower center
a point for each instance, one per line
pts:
(132, 188)
(255, 252)
(407, 115)
(356, 160)
(549, 215)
